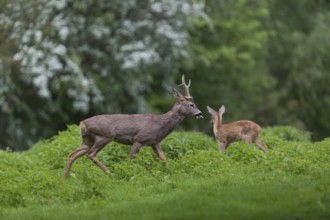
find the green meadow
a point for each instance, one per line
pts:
(290, 181)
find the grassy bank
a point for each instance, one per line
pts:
(290, 181)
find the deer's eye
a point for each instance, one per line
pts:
(192, 105)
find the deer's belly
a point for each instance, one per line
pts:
(124, 139)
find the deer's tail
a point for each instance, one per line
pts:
(83, 129)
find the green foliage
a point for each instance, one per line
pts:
(287, 133)
(298, 54)
(64, 60)
(290, 180)
(226, 59)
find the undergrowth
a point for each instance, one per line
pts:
(290, 181)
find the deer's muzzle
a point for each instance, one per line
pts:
(199, 115)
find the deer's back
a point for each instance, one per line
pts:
(239, 130)
(124, 128)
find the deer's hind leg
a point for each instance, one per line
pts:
(261, 145)
(99, 144)
(82, 150)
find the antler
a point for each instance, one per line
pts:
(186, 87)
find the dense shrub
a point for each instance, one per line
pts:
(287, 133)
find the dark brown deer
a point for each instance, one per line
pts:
(135, 129)
(243, 130)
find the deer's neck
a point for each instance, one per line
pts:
(217, 124)
(171, 119)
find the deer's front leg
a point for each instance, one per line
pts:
(135, 149)
(159, 152)
(222, 146)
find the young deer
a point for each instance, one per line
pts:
(136, 129)
(244, 130)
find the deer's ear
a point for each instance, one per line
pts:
(211, 110)
(176, 93)
(222, 110)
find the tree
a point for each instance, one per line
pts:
(69, 59)
(227, 59)
(298, 54)
(310, 78)
(266, 61)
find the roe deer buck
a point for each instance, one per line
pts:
(136, 129)
(244, 130)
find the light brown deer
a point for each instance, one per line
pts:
(243, 130)
(132, 129)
